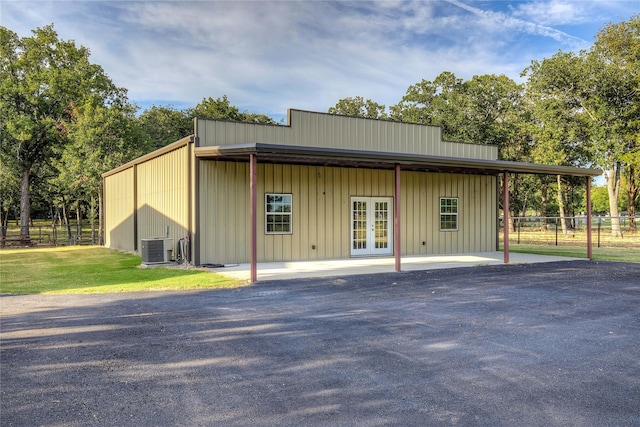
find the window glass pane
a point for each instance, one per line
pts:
(448, 213)
(278, 209)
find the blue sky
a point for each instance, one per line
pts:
(268, 56)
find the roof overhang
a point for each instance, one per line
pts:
(272, 153)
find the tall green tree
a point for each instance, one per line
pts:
(614, 112)
(165, 125)
(494, 113)
(555, 123)
(100, 139)
(9, 191)
(587, 106)
(221, 108)
(440, 102)
(632, 160)
(487, 109)
(359, 107)
(42, 78)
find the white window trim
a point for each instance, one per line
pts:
(456, 214)
(267, 213)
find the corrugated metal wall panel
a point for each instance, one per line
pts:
(163, 196)
(311, 129)
(224, 212)
(321, 211)
(420, 208)
(119, 210)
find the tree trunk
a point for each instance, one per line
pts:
(632, 193)
(514, 208)
(612, 177)
(65, 217)
(25, 205)
(561, 208)
(92, 218)
(78, 224)
(544, 200)
(100, 218)
(56, 223)
(568, 207)
(3, 227)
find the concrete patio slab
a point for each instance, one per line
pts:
(354, 266)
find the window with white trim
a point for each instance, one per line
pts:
(448, 214)
(278, 214)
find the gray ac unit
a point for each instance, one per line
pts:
(156, 250)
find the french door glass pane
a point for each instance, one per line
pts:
(359, 225)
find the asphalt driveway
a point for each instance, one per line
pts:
(538, 344)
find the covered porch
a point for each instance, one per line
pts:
(398, 162)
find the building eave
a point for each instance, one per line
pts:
(272, 153)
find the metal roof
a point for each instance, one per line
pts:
(274, 153)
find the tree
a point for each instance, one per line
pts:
(359, 107)
(440, 102)
(617, 47)
(495, 114)
(487, 109)
(555, 122)
(632, 177)
(610, 99)
(221, 108)
(600, 200)
(42, 78)
(9, 192)
(589, 102)
(101, 138)
(165, 125)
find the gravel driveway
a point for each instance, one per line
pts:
(539, 345)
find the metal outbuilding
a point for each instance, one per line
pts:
(321, 187)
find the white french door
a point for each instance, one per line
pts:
(371, 226)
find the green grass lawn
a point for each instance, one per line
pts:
(94, 269)
(599, 254)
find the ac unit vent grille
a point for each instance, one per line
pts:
(152, 251)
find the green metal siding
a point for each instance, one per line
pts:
(321, 211)
(310, 129)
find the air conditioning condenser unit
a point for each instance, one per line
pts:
(156, 250)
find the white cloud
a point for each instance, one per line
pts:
(554, 12)
(271, 55)
(499, 22)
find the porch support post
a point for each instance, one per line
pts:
(589, 246)
(253, 208)
(505, 208)
(396, 218)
